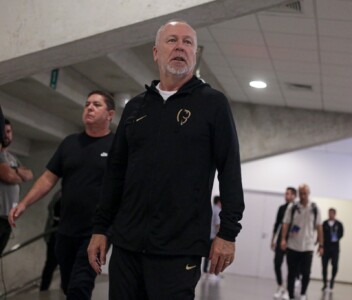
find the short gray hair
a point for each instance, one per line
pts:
(162, 27)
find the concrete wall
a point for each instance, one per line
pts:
(42, 35)
(265, 130)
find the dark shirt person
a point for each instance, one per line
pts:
(290, 196)
(158, 184)
(333, 232)
(80, 161)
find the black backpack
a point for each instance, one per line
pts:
(295, 208)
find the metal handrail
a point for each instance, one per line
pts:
(18, 246)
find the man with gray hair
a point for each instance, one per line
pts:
(157, 188)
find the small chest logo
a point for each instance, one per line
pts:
(183, 115)
(103, 154)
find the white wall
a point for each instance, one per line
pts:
(253, 254)
(265, 180)
(327, 174)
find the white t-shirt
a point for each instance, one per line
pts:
(165, 94)
(331, 223)
(302, 232)
(9, 193)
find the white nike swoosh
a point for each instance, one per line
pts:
(188, 267)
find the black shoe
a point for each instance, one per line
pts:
(324, 287)
(331, 285)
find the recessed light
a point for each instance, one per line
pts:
(258, 84)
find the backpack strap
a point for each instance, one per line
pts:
(315, 212)
(293, 210)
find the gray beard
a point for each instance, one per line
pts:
(178, 71)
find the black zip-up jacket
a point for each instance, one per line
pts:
(160, 172)
(337, 228)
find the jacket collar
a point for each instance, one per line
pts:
(187, 88)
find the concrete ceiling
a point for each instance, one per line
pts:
(303, 52)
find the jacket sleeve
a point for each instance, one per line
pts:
(113, 181)
(227, 159)
(341, 230)
(278, 221)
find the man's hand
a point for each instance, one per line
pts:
(273, 245)
(97, 251)
(320, 251)
(283, 245)
(15, 213)
(222, 254)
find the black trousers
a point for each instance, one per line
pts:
(5, 232)
(278, 259)
(137, 276)
(50, 263)
(330, 253)
(298, 262)
(77, 276)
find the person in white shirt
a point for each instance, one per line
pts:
(300, 222)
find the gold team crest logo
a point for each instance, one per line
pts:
(183, 115)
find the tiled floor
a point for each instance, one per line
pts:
(231, 287)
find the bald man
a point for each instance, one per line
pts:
(158, 184)
(300, 222)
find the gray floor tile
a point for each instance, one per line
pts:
(230, 287)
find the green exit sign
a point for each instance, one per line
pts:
(53, 78)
